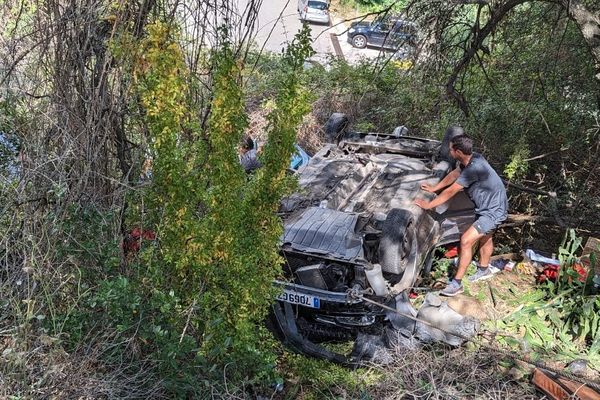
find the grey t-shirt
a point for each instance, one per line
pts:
(485, 188)
(249, 161)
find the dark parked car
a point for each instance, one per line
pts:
(353, 233)
(386, 32)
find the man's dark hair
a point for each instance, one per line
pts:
(462, 143)
(247, 143)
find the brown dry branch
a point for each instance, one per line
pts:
(440, 19)
(81, 149)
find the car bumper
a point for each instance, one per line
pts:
(323, 19)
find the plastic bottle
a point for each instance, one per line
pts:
(376, 280)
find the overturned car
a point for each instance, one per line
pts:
(354, 243)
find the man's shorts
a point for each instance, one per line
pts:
(485, 225)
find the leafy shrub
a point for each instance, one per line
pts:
(210, 276)
(191, 284)
(562, 318)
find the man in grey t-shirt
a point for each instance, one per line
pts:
(486, 190)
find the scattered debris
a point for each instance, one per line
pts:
(531, 255)
(438, 313)
(560, 388)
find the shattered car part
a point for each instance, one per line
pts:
(353, 232)
(438, 313)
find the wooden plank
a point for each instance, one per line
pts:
(553, 390)
(580, 390)
(592, 246)
(336, 45)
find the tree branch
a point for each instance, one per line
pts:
(497, 14)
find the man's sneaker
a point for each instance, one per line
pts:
(452, 289)
(481, 274)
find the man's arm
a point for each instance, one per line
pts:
(443, 197)
(447, 181)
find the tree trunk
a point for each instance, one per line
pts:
(589, 25)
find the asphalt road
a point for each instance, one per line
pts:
(278, 22)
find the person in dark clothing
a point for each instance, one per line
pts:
(249, 155)
(485, 188)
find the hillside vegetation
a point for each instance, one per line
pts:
(136, 256)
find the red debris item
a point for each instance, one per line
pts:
(580, 391)
(451, 252)
(550, 273)
(147, 234)
(581, 271)
(553, 390)
(135, 233)
(412, 295)
(132, 241)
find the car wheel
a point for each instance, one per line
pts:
(359, 41)
(428, 263)
(335, 127)
(451, 132)
(396, 241)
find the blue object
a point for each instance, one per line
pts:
(299, 158)
(533, 256)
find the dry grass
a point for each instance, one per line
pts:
(309, 137)
(36, 366)
(431, 373)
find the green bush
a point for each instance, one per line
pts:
(561, 319)
(207, 283)
(191, 288)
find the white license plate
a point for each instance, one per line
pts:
(298, 298)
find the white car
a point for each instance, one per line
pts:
(314, 11)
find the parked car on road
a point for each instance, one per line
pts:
(314, 10)
(386, 32)
(352, 235)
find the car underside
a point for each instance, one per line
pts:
(353, 239)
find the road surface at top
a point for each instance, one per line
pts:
(278, 22)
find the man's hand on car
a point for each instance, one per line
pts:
(428, 188)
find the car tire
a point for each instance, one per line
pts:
(428, 264)
(396, 240)
(359, 41)
(450, 133)
(335, 127)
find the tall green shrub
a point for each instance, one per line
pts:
(210, 275)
